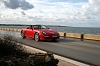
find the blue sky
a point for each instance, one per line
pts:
(76, 13)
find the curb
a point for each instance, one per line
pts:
(31, 49)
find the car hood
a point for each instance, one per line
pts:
(49, 30)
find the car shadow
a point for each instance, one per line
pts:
(49, 41)
(64, 40)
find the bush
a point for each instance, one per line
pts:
(13, 54)
(9, 46)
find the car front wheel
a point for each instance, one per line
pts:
(37, 37)
(23, 34)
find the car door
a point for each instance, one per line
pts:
(30, 33)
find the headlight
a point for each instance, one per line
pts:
(43, 32)
(55, 31)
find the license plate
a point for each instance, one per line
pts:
(54, 36)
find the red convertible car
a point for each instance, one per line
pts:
(39, 32)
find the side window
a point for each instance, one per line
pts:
(34, 27)
(37, 27)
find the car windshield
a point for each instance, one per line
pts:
(40, 27)
(43, 27)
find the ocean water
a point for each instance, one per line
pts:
(82, 30)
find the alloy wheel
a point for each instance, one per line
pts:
(36, 37)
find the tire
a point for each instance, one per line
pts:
(37, 38)
(23, 34)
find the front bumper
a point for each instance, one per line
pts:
(49, 37)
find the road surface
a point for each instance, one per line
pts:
(83, 51)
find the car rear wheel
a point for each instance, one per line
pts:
(23, 34)
(37, 37)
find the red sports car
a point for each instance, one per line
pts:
(39, 32)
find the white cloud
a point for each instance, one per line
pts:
(92, 10)
(95, 2)
(14, 4)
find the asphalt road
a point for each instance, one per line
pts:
(84, 51)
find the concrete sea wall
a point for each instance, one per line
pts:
(80, 36)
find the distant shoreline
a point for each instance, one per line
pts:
(28, 25)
